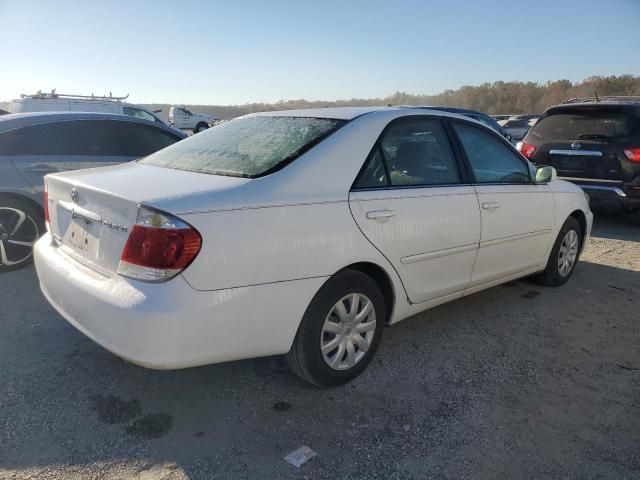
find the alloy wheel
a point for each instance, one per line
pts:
(348, 331)
(18, 234)
(568, 253)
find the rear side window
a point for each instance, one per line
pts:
(416, 152)
(246, 147)
(491, 160)
(85, 137)
(586, 124)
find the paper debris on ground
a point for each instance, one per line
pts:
(300, 456)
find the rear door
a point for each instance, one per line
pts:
(68, 145)
(412, 202)
(72, 145)
(517, 214)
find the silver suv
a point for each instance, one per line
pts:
(34, 144)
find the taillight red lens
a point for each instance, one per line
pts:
(527, 150)
(46, 209)
(632, 154)
(159, 247)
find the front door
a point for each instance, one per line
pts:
(517, 214)
(412, 204)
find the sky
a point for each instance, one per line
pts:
(243, 51)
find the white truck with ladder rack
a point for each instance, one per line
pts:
(60, 102)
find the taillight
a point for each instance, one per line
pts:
(526, 149)
(632, 154)
(159, 247)
(46, 209)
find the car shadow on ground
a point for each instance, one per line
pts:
(515, 381)
(615, 226)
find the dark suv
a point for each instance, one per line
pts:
(595, 143)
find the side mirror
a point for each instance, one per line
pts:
(546, 174)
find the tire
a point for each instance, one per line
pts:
(555, 274)
(635, 217)
(20, 226)
(200, 127)
(306, 357)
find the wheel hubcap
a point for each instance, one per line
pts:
(348, 331)
(568, 253)
(18, 233)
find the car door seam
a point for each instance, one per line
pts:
(380, 251)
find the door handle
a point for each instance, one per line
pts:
(41, 168)
(378, 214)
(490, 205)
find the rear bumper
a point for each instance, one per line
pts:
(610, 195)
(170, 325)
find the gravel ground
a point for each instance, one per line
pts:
(518, 381)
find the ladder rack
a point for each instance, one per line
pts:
(53, 94)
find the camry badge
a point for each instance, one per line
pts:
(74, 195)
(576, 145)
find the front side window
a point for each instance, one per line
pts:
(487, 121)
(491, 160)
(143, 140)
(246, 147)
(416, 153)
(139, 113)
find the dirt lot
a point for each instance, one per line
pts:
(518, 381)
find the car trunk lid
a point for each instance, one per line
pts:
(583, 159)
(92, 211)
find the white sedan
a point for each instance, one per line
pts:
(301, 233)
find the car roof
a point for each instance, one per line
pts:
(17, 120)
(608, 105)
(461, 111)
(349, 113)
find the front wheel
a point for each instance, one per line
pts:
(564, 255)
(340, 331)
(20, 226)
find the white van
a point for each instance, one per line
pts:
(183, 118)
(58, 102)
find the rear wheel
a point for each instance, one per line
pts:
(200, 127)
(20, 226)
(564, 255)
(340, 331)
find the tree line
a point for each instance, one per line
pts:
(493, 98)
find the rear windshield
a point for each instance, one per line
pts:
(585, 125)
(246, 147)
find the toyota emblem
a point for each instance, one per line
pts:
(74, 195)
(576, 145)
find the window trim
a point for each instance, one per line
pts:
(462, 168)
(465, 158)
